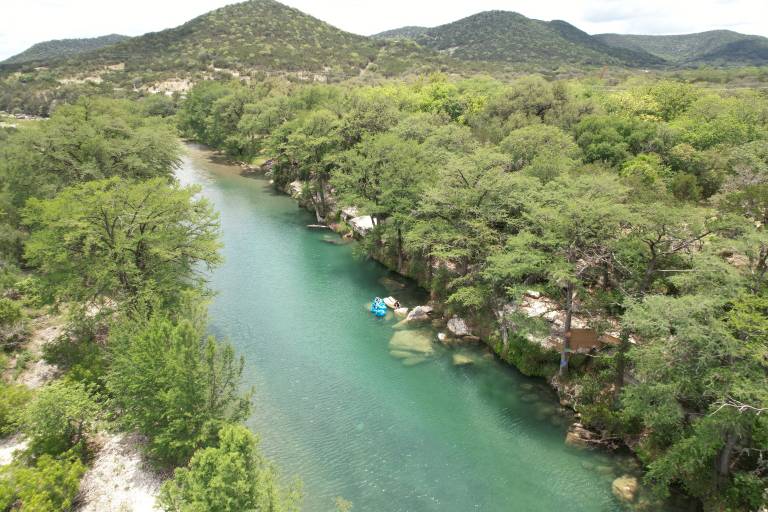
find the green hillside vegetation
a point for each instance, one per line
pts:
(254, 35)
(719, 47)
(510, 37)
(410, 32)
(57, 48)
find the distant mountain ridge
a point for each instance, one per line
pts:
(58, 48)
(503, 36)
(409, 32)
(718, 47)
(265, 35)
(253, 35)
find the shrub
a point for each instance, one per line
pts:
(59, 417)
(174, 385)
(12, 330)
(12, 401)
(231, 477)
(51, 485)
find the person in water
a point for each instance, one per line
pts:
(397, 304)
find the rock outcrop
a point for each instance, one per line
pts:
(458, 327)
(419, 314)
(581, 437)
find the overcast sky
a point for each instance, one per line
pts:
(25, 22)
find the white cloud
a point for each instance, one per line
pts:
(25, 22)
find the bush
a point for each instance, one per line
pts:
(51, 485)
(12, 330)
(80, 356)
(174, 385)
(59, 417)
(12, 401)
(531, 359)
(231, 477)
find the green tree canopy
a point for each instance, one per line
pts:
(174, 384)
(229, 477)
(116, 239)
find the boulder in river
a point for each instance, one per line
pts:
(419, 314)
(415, 342)
(581, 437)
(462, 359)
(401, 312)
(458, 327)
(625, 488)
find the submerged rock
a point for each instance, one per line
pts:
(625, 488)
(418, 342)
(462, 360)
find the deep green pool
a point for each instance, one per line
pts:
(334, 408)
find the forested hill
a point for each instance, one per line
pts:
(409, 32)
(63, 48)
(254, 35)
(716, 47)
(501, 36)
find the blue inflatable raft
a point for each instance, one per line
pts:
(378, 307)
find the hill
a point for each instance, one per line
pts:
(56, 48)
(254, 35)
(502, 36)
(410, 32)
(716, 47)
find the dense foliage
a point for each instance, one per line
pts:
(643, 208)
(109, 236)
(230, 476)
(172, 386)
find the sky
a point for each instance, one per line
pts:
(25, 22)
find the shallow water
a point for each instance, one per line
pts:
(336, 409)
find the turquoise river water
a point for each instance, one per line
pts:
(335, 409)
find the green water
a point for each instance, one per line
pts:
(334, 408)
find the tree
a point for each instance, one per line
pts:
(568, 241)
(117, 239)
(385, 176)
(90, 140)
(473, 205)
(59, 417)
(700, 393)
(229, 477)
(525, 144)
(172, 383)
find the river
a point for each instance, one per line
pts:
(335, 409)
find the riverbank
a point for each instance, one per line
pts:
(337, 408)
(575, 435)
